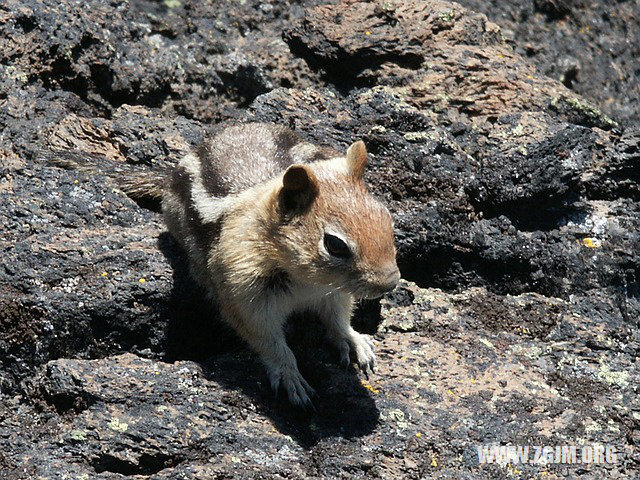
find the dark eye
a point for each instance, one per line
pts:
(336, 246)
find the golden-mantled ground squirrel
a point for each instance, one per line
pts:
(271, 225)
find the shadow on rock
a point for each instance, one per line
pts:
(195, 332)
(344, 407)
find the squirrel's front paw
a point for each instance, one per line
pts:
(362, 348)
(297, 388)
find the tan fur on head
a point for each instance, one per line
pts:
(343, 210)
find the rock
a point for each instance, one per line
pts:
(183, 57)
(477, 368)
(449, 59)
(585, 44)
(516, 210)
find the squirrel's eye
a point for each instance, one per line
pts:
(336, 246)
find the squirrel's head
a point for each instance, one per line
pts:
(332, 232)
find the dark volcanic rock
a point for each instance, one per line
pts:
(198, 60)
(515, 201)
(458, 60)
(455, 371)
(82, 268)
(588, 45)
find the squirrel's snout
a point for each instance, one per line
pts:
(386, 281)
(391, 279)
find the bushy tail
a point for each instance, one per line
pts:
(142, 184)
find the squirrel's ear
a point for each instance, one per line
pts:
(299, 187)
(357, 159)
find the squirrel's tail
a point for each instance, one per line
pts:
(144, 185)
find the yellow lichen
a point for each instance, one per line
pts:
(369, 387)
(118, 426)
(591, 242)
(78, 435)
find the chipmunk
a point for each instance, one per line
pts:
(272, 225)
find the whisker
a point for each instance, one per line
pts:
(334, 290)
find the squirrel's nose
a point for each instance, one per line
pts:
(391, 278)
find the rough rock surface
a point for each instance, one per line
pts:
(588, 45)
(515, 200)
